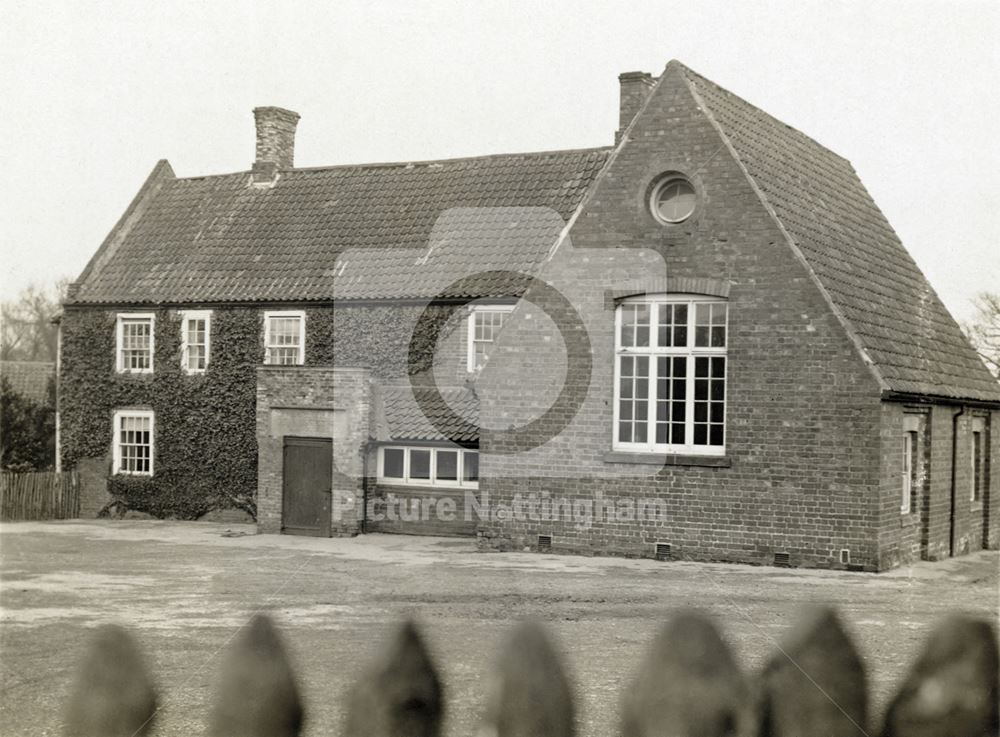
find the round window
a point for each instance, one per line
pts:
(673, 201)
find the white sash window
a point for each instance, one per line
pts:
(670, 374)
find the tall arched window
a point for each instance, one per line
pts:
(670, 374)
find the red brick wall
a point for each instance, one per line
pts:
(972, 526)
(94, 496)
(992, 502)
(976, 524)
(902, 536)
(312, 402)
(802, 470)
(414, 514)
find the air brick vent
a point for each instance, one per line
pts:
(845, 556)
(545, 542)
(661, 551)
(782, 560)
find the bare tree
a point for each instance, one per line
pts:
(984, 330)
(26, 329)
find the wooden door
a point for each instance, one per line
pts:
(306, 484)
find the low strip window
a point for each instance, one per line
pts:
(428, 466)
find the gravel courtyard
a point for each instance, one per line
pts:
(185, 589)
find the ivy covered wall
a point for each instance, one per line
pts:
(205, 453)
(373, 336)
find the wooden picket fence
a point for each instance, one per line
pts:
(39, 495)
(690, 685)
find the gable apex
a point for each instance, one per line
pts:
(900, 327)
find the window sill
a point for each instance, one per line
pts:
(410, 486)
(667, 459)
(908, 519)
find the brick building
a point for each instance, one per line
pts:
(704, 342)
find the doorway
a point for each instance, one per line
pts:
(307, 472)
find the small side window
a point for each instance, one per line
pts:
(134, 343)
(132, 442)
(195, 340)
(910, 466)
(484, 326)
(977, 453)
(285, 338)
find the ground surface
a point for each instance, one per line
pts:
(184, 589)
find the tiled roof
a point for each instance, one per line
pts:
(385, 230)
(899, 321)
(410, 230)
(30, 379)
(399, 417)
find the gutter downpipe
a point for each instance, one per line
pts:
(954, 480)
(363, 526)
(58, 379)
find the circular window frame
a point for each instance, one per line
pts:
(662, 183)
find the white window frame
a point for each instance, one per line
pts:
(691, 352)
(120, 320)
(268, 316)
(470, 345)
(187, 316)
(911, 445)
(116, 451)
(978, 428)
(460, 483)
(905, 505)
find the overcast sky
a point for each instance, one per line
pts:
(95, 93)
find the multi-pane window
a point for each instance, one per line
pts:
(195, 338)
(978, 460)
(670, 374)
(134, 343)
(429, 466)
(132, 446)
(484, 326)
(284, 337)
(910, 466)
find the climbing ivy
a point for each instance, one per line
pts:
(371, 336)
(205, 433)
(205, 444)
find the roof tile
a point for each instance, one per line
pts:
(30, 379)
(451, 414)
(376, 231)
(915, 344)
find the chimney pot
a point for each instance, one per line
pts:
(275, 141)
(635, 88)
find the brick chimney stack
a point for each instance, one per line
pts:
(635, 88)
(275, 141)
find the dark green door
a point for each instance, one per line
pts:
(307, 476)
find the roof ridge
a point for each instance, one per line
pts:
(689, 72)
(408, 164)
